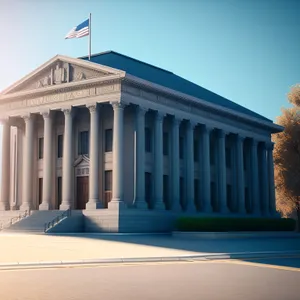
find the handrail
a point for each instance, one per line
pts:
(51, 224)
(14, 220)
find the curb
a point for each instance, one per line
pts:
(234, 235)
(182, 258)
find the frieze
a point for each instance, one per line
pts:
(60, 97)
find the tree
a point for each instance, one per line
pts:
(287, 157)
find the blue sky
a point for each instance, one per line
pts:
(246, 51)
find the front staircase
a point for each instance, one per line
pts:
(35, 222)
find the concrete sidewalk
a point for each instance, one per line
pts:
(20, 249)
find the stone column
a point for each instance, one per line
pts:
(272, 202)
(5, 171)
(254, 178)
(140, 201)
(221, 172)
(28, 163)
(190, 170)
(118, 134)
(158, 162)
(175, 166)
(67, 172)
(47, 162)
(205, 172)
(264, 183)
(240, 176)
(94, 202)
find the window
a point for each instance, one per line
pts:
(108, 140)
(228, 157)
(148, 188)
(59, 191)
(148, 138)
(166, 143)
(83, 143)
(166, 189)
(108, 181)
(196, 150)
(60, 146)
(181, 145)
(41, 148)
(40, 190)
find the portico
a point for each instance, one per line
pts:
(140, 145)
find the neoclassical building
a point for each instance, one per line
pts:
(115, 134)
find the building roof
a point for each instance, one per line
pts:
(166, 79)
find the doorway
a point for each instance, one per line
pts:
(82, 192)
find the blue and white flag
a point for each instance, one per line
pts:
(79, 31)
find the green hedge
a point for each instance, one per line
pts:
(234, 224)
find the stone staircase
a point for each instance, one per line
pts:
(35, 223)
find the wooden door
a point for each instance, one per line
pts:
(82, 192)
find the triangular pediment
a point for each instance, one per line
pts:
(82, 160)
(61, 70)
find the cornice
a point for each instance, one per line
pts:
(202, 103)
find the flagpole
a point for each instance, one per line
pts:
(90, 35)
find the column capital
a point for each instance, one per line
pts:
(269, 146)
(159, 116)
(67, 111)
(141, 110)
(118, 105)
(221, 133)
(240, 138)
(192, 123)
(4, 121)
(46, 114)
(177, 120)
(254, 143)
(27, 117)
(92, 107)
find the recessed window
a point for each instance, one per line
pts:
(83, 143)
(166, 143)
(108, 140)
(181, 146)
(59, 190)
(41, 148)
(40, 190)
(108, 180)
(60, 146)
(148, 139)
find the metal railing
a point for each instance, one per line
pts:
(14, 220)
(55, 221)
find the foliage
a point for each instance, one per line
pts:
(287, 157)
(234, 224)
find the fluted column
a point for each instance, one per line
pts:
(221, 172)
(190, 170)
(94, 201)
(28, 164)
(255, 203)
(205, 169)
(264, 183)
(47, 162)
(175, 166)
(240, 176)
(118, 135)
(272, 202)
(67, 188)
(140, 201)
(158, 162)
(5, 171)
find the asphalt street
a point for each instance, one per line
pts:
(256, 279)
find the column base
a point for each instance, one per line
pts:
(93, 204)
(64, 206)
(116, 205)
(4, 206)
(25, 206)
(44, 206)
(159, 206)
(140, 205)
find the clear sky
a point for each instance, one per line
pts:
(247, 51)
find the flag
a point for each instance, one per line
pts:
(79, 31)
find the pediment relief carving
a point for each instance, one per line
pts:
(59, 73)
(82, 161)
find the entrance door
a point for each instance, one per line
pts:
(82, 192)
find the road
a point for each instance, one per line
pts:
(257, 279)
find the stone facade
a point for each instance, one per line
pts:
(169, 150)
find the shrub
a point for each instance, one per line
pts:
(234, 224)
